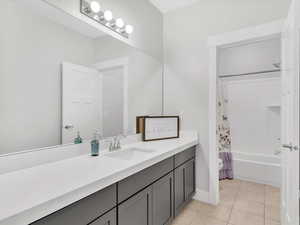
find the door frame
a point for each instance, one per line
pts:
(114, 63)
(235, 38)
(290, 208)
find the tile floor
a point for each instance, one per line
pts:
(241, 203)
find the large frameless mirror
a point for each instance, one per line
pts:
(60, 77)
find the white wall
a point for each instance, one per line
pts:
(254, 115)
(186, 57)
(252, 57)
(32, 50)
(146, 19)
(113, 101)
(253, 101)
(144, 78)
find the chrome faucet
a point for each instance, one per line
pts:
(115, 143)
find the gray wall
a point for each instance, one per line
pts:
(31, 52)
(186, 58)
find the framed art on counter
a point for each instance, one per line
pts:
(160, 127)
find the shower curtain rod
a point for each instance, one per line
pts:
(247, 74)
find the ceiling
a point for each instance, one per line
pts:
(169, 5)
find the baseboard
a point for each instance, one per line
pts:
(256, 181)
(202, 196)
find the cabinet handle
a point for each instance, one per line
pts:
(148, 209)
(171, 200)
(184, 195)
(194, 171)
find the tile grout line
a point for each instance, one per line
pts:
(234, 201)
(265, 189)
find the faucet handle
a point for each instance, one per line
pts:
(110, 141)
(118, 144)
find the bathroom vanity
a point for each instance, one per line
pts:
(151, 196)
(76, 77)
(144, 183)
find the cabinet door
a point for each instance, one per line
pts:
(184, 156)
(184, 185)
(109, 218)
(179, 189)
(137, 210)
(133, 184)
(162, 192)
(189, 176)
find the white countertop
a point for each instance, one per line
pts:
(30, 194)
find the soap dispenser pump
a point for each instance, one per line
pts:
(78, 139)
(95, 145)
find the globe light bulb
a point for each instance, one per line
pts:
(108, 16)
(120, 23)
(95, 6)
(129, 29)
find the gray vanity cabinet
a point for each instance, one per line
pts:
(184, 156)
(184, 184)
(152, 206)
(189, 170)
(179, 189)
(133, 184)
(153, 196)
(85, 210)
(109, 218)
(163, 200)
(137, 210)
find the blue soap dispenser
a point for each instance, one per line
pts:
(95, 145)
(78, 139)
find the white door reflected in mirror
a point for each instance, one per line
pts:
(92, 101)
(82, 102)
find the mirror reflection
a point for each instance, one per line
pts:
(59, 81)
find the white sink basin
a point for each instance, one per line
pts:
(130, 153)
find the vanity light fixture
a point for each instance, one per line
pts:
(120, 23)
(92, 9)
(95, 7)
(108, 16)
(129, 29)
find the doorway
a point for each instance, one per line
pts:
(113, 101)
(114, 74)
(249, 129)
(289, 112)
(245, 37)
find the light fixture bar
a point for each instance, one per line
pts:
(93, 10)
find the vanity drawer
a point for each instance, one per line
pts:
(83, 211)
(140, 180)
(109, 218)
(184, 156)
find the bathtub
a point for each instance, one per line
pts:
(259, 168)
